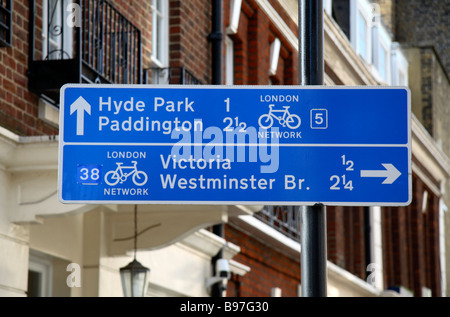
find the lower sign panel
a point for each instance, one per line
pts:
(279, 175)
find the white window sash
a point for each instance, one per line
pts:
(274, 56)
(442, 211)
(382, 44)
(327, 6)
(361, 39)
(399, 66)
(363, 9)
(229, 61)
(235, 12)
(160, 33)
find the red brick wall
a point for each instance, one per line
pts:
(410, 242)
(269, 267)
(346, 239)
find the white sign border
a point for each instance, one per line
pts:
(209, 202)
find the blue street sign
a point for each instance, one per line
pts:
(271, 145)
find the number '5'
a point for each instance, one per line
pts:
(318, 118)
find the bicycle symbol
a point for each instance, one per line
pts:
(139, 178)
(285, 118)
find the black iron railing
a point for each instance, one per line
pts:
(5, 23)
(111, 44)
(285, 219)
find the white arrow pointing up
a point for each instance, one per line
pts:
(390, 172)
(80, 106)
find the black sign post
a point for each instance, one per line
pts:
(313, 219)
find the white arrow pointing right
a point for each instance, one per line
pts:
(80, 106)
(390, 172)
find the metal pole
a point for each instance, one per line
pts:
(313, 219)
(216, 37)
(314, 250)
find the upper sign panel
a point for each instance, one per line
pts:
(294, 115)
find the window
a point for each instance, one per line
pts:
(235, 12)
(381, 52)
(399, 66)
(160, 42)
(39, 276)
(160, 26)
(361, 28)
(362, 36)
(442, 216)
(382, 59)
(274, 56)
(57, 35)
(5, 23)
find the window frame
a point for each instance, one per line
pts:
(275, 47)
(382, 41)
(361, 9)
(6, 13)
(383, 62)
(67, 39)
(235, 12)
(229, 61)
(42, 264)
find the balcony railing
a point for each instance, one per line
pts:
(81, 41)
(111, 44)
(285, 219)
